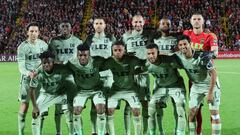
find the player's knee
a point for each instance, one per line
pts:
(127, 109)
(110, 111)
(136, 111)
(161, 104)
(144, 104)
(58, 110)
(100, 108)
(180, 108)
(151, 111)
(24, 107)
(77, 110)
(215, 116)
(192, 113)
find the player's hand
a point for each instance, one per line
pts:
(32, 74)
(210, 98)
(35, 112)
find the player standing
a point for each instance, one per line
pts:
(204, 83)
(124, 86)
(55, 81)
(167, 43)
(28, 60)
(200, 41)
(89, 85)
(135, 43)
(168, 83)
(100, 45)
(64, 47)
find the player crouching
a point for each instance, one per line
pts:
(53, 79)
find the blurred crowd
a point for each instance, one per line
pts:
(48, 13)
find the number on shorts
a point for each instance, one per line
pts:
(135, 99)
(100, 95)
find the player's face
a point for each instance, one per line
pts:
(33, 33)
(65, 28)
(152, 55)
(197, 21)
(99, 25)
(47, 64)
(184, 46)
(138, 23)
(118, 51)
(83, 57)
(165, 25)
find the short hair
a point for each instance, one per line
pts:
(99, 17)
(118, 42)
(166, 18)
(83, 47)
(31, 24)
(47, 54)
(138, 15)
(151, 46)
(183, 37)
(65, 21)
(196, 13)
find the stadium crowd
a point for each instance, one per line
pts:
(222, 17)
(47, 13)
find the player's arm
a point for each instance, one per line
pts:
(52, 48)
(213, 75)
(214, 44)
(33, 87)
(140, 65)
(102, 63)
(69, 84)
(21, 62)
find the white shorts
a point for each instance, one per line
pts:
(107, 78)
(129, 96)
(24, 90)
(44, 101)
(162, 94)
(143, 82)
(82, 97)
(196, 97)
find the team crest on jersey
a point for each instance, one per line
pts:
(105, 40)
(72, 45)
(202, 41)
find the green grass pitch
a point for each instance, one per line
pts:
(228, 72)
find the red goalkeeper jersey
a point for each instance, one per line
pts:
(201, 42)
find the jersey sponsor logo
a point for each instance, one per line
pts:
(65, 51)
(99, 46)
(125, 72)
(49, 84)
(34, 56)
(197, 46)
(138, 43)
(166, 47)
(91, 74)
